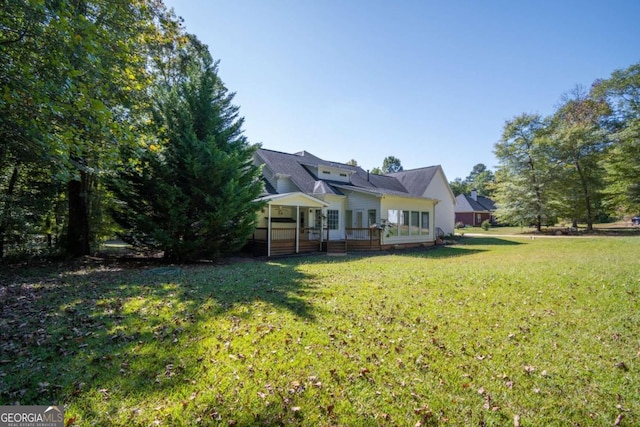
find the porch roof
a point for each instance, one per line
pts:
(381, 192)
(294, 199)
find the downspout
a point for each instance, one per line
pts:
(269, 232)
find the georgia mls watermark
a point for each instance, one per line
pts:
(31, 416)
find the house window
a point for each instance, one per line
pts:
(414, 226)
(371, 214)
(392, 222)
(326, 172)
(407, 223)
(404, 223)
(424, 223)
(332, 219)
(343, 174)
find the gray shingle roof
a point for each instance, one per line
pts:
(416, 181)
(465, 203)
(298, 166)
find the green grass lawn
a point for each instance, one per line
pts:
(492, 331)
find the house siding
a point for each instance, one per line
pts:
(269, 176)
(363, 202)
(464, 217)
(472, 218)
(336, 203)
(445, 210)
(286, 186)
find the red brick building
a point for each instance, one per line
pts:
(472, 209)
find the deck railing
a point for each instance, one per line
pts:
(359, 237)
(287, 233)
(363, 233)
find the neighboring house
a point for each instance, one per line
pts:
(317, 205)
(473, 209)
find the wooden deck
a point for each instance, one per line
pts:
(283, 241)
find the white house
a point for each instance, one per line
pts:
(315, 205)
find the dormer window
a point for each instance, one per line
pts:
(327, 172)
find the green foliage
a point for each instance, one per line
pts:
(192, 192)
(587, 165)
(622, 90)
(525, 173)
(73, 73)
(480, 333)
(579, 142)
(481, 179)
(486, 225)
(391, 164)
(458, 186)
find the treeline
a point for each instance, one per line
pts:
(581, 163)
(113, 118)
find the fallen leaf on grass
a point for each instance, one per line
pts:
(622, 365)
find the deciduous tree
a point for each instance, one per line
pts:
(524, 172)
(622, 163)
(71, 72)
(391, 164)
(579, 141)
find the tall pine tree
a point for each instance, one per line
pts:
(192, 191)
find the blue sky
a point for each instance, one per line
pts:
(430, 82)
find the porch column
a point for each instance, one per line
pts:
(297, 228)
(269, 232)
(434, 232)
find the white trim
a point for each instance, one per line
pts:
(297, 228)
(269, 232)
(281, 199)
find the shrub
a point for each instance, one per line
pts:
(485, 225)
(459, 224)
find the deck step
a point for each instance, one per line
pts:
(337, 247)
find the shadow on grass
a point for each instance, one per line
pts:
(130, 332)
(439, 252)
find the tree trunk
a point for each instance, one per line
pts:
(586, 195)
(6, 209)
(78, 226)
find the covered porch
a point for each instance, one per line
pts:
(290, 223)
(295, 223)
